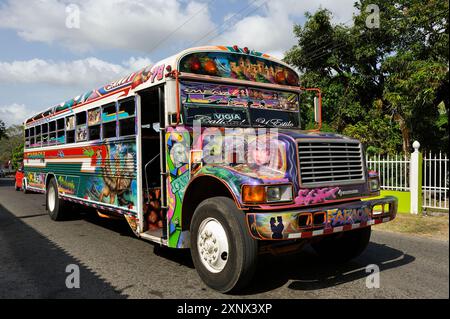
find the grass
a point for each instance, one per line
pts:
(435, 227)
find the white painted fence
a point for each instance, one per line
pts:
(395, 175)
(393, 170)
(435, 181)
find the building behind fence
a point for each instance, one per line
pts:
(396, 176)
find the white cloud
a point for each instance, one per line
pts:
(145, 24)
(49, 82)
(80, 73)
(272, 30)
(106, 24)
(13, 114)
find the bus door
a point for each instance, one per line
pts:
(152, 159)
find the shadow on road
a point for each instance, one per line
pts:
(32, 266)
(308, 272)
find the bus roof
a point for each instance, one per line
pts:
(143, 78)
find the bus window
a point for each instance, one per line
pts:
(94, 132)
(109, 118)
(60, 124)
(70, 123)
(70, 136)
(109, 130)
(44, 129)
(37, 136)
(52, 126)
(109, 113)
(60, 136)
(127, 118)
(52, 133)
(94, 117)
(81, 127)
(70, 129)
(32, 137)
(27, 138)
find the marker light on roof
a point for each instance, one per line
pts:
(210, 67)
(195, 64)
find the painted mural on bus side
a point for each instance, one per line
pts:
(115, 181)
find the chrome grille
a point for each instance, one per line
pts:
(330, 162)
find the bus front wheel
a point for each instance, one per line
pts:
(222, 249)
(55, 205)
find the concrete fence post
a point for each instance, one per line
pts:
(415, 179)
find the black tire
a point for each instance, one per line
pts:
(344, 246)
(242, 248)
(24, 187)
(57, 210)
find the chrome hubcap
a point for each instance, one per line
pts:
(51, 199)
(212, 244)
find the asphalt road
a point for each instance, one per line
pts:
(34, 253)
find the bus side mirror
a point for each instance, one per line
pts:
(318, 109)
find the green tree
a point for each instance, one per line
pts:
(382, 85)
(17, 156)
(9, 145)
(2, 130)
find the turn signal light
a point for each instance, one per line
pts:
(253, 194)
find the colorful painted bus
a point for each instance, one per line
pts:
(205, 150)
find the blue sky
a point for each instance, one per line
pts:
(44, 62)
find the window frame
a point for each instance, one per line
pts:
(80, 126)
(97, 124)
(126, 118)
(59, 130)
(108, 122)
(66, 119)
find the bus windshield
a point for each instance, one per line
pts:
(238, 106)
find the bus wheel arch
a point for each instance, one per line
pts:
(199, 189)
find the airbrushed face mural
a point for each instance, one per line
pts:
(227, 157)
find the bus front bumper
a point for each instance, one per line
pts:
(319, 221)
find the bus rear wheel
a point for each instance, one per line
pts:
(24, 187)
(55, 205)
(222, 249)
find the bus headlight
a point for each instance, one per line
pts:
(279, 193)
(374, 184)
